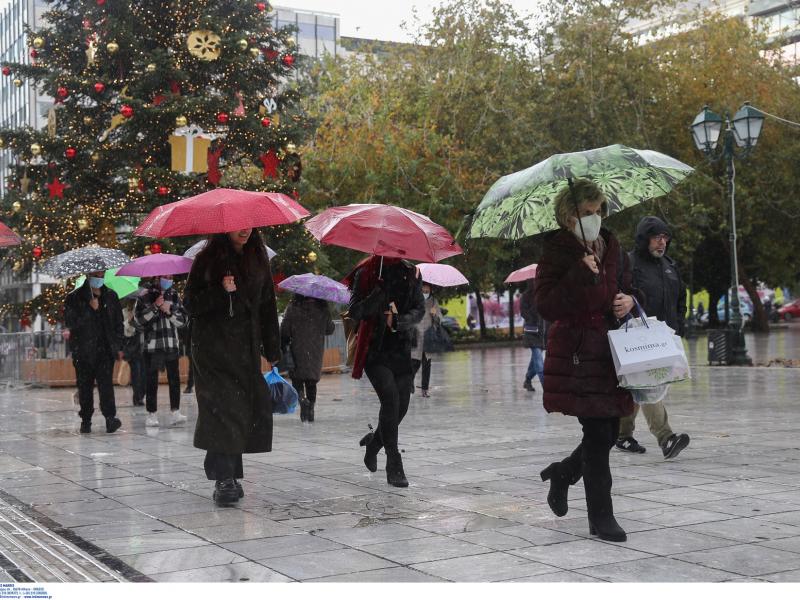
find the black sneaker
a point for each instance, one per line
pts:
(629, 444)
(239, 488)
(674, 444)
(528, 385)
(112, 424)
(86, 427)
(225, 493)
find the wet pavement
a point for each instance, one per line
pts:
(135, 505)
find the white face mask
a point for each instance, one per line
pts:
(426, 295)
(591, 227)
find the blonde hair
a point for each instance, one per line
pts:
(582, 190)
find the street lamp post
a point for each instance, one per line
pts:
(743, 132)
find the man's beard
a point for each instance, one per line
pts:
(658, 253)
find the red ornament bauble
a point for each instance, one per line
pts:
(99, 87)
(6, 70)
(37, 252)
(288, 60)
(271, 54)
(163, 190)
(266, 122)
(261, 6)
(101, 2)
(34, 53)
(155, 248)
(62, 92)
(70, 152)
(222, 117)
(126, 111)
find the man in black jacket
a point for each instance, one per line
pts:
(93, 315)
(657, 277)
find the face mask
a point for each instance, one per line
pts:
(591, 227)
(166, 284)
(96, 282)
(426, 295)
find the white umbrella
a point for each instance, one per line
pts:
(441, 275)
(195, 250)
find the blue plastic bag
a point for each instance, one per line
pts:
(284, 396)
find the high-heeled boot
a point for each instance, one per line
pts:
(597, 482)
(395, 475)
(303, 408)
(372, 447)
(562, 475)
(310, 411)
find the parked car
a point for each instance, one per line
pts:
(745, 306)
(790, 311)
(450, 324)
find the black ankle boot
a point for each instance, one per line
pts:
(597, 483)
(606, 528)
(310, 411)
(239, 488)
(559, 488)
(394, 470)
(225, 492)
(371, 452)
(112, 424)
(303, 409)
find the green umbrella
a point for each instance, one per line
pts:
(521, 204)
(123, 286)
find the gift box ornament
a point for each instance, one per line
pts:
(190, 146)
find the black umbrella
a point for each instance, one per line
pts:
(84, 260)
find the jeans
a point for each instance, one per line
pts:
(536, 365)
(394, 392)
(173, 378)
(657, 421)
(306, 388)
(220, 466)
(425, 363)
(138, 378)
(87, 372)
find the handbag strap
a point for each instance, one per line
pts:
(642, 315)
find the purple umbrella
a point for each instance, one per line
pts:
(317, 286)
(157, 264)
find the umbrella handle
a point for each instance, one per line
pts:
(230, 304)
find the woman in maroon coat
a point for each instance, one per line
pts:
(583, 290)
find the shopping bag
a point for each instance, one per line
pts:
(650, 395)
(436, 340)
(284, 396)
(679, 370)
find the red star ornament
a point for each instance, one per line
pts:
(270, 162)
(56, 188)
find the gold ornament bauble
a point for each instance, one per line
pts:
(112, 47)
(204, 44)
(312, 256)
(87, 120)
(18, 265)
(242, 44)
(2, 143)
(95, 157)
(290, 42)
(83, 224)
(36, 149)
(133, 184)
(181, 121)
(291, 148)
(255, 52)
(38, 42)
(16, 207)
(151, 68)
(18, 82)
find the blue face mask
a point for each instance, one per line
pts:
(166, 284)
(96, 282)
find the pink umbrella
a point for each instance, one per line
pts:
(522, 274)
(8, 237)
(219, 211)
(383, 230)
(154, 265)
(441, 275)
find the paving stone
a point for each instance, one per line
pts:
(322, 564)
(579, 554)
(744, 560)
(655, 570)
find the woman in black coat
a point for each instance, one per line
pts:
(387, 304)
(304, 326)
(231, 301)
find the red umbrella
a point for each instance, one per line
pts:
(8, 237)
(219, 211)
(384, 231)
(522, 274)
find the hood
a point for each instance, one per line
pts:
(648, 227)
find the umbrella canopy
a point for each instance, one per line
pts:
(523, 274)
(84, 260)
(441, 275)
(157, 264)
(195, 250)
(521, 204)
(8, 237)
(317, 286)
(123, 286)
(384, 230)
(220, 210)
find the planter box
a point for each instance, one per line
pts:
(59, 372)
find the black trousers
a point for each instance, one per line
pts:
(394, 392)
(88, 372)
(138, 377)
(425, 363)
(190, 379)
(220, 466)
(306, 388)
(173, 379)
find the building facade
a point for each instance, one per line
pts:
(317, 32)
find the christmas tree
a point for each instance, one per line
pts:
(155, 100)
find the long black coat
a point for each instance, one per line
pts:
(579, 375)
(306, 324)
(233, 400)
(89, 335)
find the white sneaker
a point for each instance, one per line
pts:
(176, 418)
(152, 420)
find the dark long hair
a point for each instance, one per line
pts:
(221, 257)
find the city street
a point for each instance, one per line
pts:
(135, 505)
